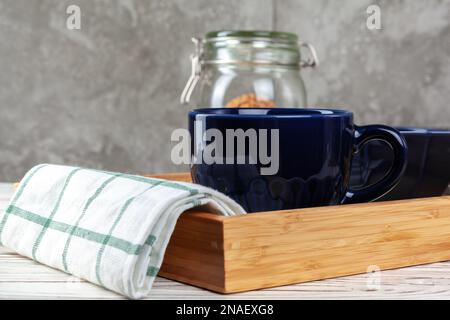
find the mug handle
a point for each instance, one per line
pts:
(363, 135)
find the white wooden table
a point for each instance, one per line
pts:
(22, 278)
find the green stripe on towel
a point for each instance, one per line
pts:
(114, 242)
(150, 240)
(52, 214)
(83, 213)
(152, 271)
(111, 230)
(163, 183)
(17, 196)
(153, 181)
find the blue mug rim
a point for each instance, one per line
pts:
(303, 113)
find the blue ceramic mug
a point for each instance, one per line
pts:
(302, 159)
(427, 173)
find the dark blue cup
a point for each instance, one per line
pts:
(315, 150)
(427, 173)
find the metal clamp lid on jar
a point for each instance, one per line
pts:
(197, 62)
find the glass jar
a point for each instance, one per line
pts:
(248, 69)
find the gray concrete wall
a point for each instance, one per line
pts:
(106, 96)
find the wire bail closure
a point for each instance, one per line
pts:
(312, 61)
(196, 69)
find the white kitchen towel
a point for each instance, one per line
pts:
(108, 228)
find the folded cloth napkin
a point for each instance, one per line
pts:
(108, 228)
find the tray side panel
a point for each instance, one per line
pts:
(195, 251)
(279, 248)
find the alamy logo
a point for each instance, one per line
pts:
(73, 21)
(373, 21)
(236, 146)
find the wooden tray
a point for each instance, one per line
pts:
(233, 254)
